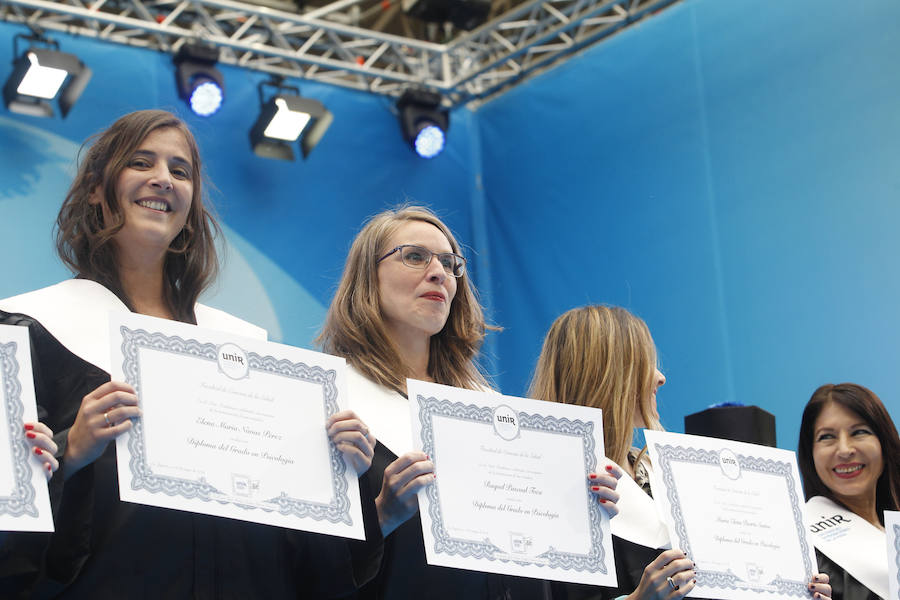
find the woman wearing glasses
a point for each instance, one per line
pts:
(406, 308)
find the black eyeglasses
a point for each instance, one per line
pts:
(418, 257)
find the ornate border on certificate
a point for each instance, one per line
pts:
(22, 500)
(592, 562)
(726, 579)
(336, 511)
(897, 557)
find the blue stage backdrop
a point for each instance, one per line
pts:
(727, 171)
(730, 172)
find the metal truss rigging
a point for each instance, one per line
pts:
(344, 43)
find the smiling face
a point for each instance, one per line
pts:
(153, 191)
(415, 302)
(847, 455)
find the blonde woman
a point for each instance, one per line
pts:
(405, 307)
(604, 357)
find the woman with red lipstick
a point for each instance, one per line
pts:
(405, 307)
(604, 357)
(848, 454)
(135, 231)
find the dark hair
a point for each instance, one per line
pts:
(863, 402)
(84, 240)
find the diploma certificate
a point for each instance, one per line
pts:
(24, 500)
(737, 510)
(511, 491)
(233, 427)
(892, 529)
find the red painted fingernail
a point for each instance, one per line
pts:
(595, 488)
(31, 435)
(29, 427)
(609, 468)
(49, 468)
(38, 451)
(602, 501)
(592, 476)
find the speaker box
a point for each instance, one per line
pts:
(740, 423)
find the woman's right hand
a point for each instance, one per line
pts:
(403, 478)
(104, 415)
(41, 439)
(669, 576)
(603, 488)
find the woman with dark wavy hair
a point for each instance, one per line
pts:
(93, 225)
(849, 457)
(137, 234)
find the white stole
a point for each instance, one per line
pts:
(850, 541)
(383, 410)
(76, 312)
(638, 519)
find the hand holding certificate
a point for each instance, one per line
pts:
(233, 427)
(24, 501)
(510, 494)
(736, 509)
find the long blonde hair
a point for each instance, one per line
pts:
(354, 326)
(603, 357)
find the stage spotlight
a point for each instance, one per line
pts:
(41, 74)
(200, 83)
(465, 14)
(284, 118)
(423, 122)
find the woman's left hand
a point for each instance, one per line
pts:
(353, 439)
(819, 587)
(603, 487)
(42, 445)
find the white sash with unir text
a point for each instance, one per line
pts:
(850, 541)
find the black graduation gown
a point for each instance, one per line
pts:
(630, 561)
(405, 574)
(105, 548)
(843, 585)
